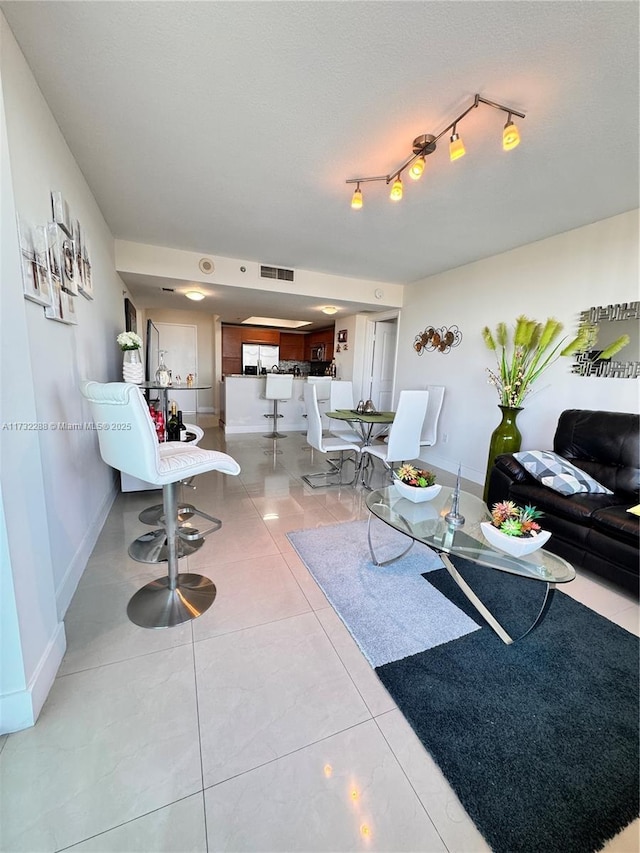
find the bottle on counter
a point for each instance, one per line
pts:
(173, 430)
(160, 426)
(163, 375)
(182, 430)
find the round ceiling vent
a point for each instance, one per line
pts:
(206, 266)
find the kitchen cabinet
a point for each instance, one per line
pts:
(291, 347)
(322, 336)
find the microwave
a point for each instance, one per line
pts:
(317, 352)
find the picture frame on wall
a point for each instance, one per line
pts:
(130, 317)
(68, 257)
(61, 213)
(33, 263)
(62, 308)
(342, 336)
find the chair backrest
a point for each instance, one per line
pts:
(314, 420)
(404, 433)
(279, 386)
(323, 387)
(430, 426)
(341, 395)
(126, 433)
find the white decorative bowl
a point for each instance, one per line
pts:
(417, 494)
(516, 546)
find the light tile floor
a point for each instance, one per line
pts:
(259, 726)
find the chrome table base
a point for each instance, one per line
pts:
(158, 605)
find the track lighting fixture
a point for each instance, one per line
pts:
(426, 144)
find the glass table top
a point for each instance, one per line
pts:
(425, 523)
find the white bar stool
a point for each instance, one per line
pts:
(279, 388)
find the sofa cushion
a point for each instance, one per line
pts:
(616, 522)
(577, 508)
(556, 473)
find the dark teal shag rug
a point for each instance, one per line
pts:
(539, 739)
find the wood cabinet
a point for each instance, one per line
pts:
(322, 336)
(231, 341)
(291, 347)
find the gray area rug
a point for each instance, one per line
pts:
(389, 610)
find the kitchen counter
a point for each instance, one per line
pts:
(242, 409)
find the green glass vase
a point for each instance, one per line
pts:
(505, 438)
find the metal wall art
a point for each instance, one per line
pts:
(437, 340)
(611, 321)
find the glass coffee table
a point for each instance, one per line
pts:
(425, 522)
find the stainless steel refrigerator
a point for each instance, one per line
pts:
(260, 356)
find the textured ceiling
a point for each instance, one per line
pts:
(229, 128)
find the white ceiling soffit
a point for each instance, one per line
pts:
(230, 128)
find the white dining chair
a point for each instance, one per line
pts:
(429, 434)
(328, 444)
(341, 397)
(403, 441)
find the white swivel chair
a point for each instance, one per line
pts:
(324, 445)
(278, 387)
(341, 397)
(403, 442)
(129, 444)
(429, 434)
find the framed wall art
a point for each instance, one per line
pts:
(342, 336)
(61, 213)
(33, 263)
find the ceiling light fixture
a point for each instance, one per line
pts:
(426, 144)
(329, 309)
(195, 295)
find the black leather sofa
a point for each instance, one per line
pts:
(592, 531)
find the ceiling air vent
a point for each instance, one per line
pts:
(169, 289)
(276, 273)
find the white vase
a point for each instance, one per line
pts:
(516, 546)
(417, 494)
(132, 367)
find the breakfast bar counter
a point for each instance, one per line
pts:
(243, 408)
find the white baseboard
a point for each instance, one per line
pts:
(76, 567)
(20, 710)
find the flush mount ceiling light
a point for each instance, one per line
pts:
(195, 295)
(329, 309)
(426, 144)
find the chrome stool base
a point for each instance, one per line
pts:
(153, 514)
(158, 606)
(152, 547)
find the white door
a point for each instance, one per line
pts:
(180, 344)
(383, 364)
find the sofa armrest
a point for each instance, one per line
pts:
(505, 472)
(511, 468)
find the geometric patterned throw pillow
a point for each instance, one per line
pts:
(558, 474)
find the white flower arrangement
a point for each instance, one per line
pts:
(129, 340)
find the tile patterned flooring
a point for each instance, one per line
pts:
(257, 727)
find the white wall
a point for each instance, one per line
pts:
(560, 277)
(56, 490)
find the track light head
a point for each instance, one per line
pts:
(417, 168)
(356, 199)
(396, 189)
(456, 146)
(510, 135)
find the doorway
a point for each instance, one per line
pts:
(180, 343)
(383, 362)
